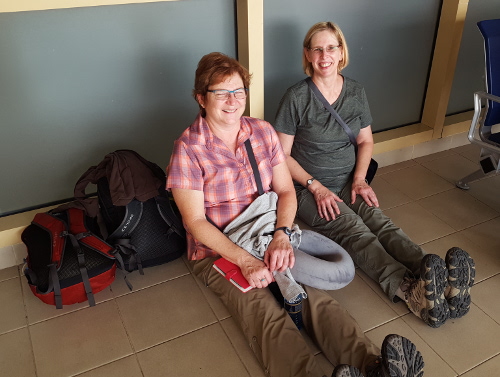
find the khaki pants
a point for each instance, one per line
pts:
(381, 249)
(273, 336)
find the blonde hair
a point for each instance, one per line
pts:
(316, 28)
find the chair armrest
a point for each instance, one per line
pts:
(478, 97)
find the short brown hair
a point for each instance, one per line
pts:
(212, 69)
(316, 28)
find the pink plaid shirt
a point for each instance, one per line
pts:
(201, 161)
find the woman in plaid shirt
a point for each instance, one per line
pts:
(210, 176)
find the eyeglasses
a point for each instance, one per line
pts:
(223, 94)
(320, 50)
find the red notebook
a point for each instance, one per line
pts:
(232, 273)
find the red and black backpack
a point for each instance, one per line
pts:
(67, 261)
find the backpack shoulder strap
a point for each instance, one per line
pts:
(78, 228)
(132, 217)
(166, 210)
(57, 229)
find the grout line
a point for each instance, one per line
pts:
(134, 352)
(481, 363)
(28, 325)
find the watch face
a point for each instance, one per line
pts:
(309, 181)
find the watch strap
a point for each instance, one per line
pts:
(285, 229)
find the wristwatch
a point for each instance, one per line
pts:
(285, 229)
(309, 182)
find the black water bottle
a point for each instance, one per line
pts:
(294, 309)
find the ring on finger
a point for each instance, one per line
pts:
(262, 279)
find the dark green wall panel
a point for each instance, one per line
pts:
(76, 84)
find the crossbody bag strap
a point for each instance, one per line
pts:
(329, 107)
(255, 168)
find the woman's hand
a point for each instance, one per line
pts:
(279, 254)
(326, 201)
(363, 189)
(256, 272)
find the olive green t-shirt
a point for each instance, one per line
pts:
(321, 146)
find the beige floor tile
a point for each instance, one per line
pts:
(324, 364)
(486, 234)
(12, 315)
(434, 156)
(489, 368)
(16, 356)
(152, 275)
(367, 308)
(395, 167)
(126, 367)
(9, 273)
(215, 303)
(38, 311)
(470, 212)
(418, 223)
(462, 343)
(469, 151)
(399, 307)
(242, 348)
(164, 311)
(452, 167)
(79, 341)
(388, 196)
(486, 296)
(435, 366)
(417, 182)
(486, 190)
(486, 258)
(206, 352)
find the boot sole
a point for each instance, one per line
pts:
(461, 275)
(346, 371)
(434, 273)
(401, 358)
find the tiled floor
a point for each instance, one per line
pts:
(170, 325)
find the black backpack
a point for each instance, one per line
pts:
(145, 233)
(67, 260)
(136, 214)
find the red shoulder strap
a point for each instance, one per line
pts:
(77, 227)
(55, 227)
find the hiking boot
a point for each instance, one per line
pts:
(425, 296)
(461, 274)
(344, 370)
(400, 358)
